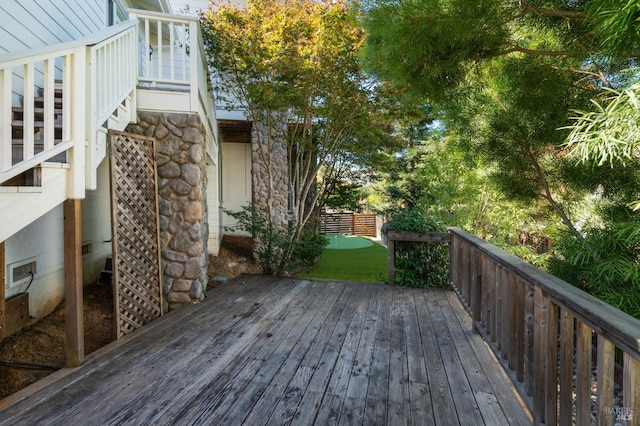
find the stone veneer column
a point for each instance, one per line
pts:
(277, 154)
(182, 182)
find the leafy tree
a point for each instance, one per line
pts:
(431, 46)
(294, 67)
(506, 76)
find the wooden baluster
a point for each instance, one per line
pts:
(518, 328)
(391, 259)
(583, 374)
(497, 308)
(551, 364)
(606, 374)
(566, 367)
(631, 390)
(467, 273)
(506, 321)
(540, 339)
(529, 372)
(476, 291)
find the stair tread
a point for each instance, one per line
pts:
(36, 109)
(20, 123)
(19, 142)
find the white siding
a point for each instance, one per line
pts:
(44, 241)
(26, 24)
(96, 225)
(213, 209)
(236, 178)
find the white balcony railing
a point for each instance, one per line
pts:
(98, 76)
(173, 60)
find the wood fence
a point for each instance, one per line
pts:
(349, 223)
(546, 333)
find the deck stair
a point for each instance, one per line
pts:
(17, 131)
(71, 95)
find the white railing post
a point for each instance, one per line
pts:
(159, 47)
(194, 63)
(28, 137)
(6, 75)
(145, 49)
(96, 74)
(78, 75)
(49, 104)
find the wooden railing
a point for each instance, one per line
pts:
(394, 236)
(548, 333)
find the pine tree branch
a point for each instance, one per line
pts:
(571, 14)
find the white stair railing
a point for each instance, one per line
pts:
(95, 74)
(21, 77)
(112, 85)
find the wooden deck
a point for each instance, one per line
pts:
(264, 350)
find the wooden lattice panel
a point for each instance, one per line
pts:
(136, 239)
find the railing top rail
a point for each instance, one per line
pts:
(163, 16)
(19, 58)
(618, 327)
(440, 237)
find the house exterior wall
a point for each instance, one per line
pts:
(28, 24)
(213, 209)
(182, 185)
(96, 225)
(42, 242)
(236, 181)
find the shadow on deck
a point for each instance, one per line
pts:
(265, 350)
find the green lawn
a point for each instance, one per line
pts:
(367, 264)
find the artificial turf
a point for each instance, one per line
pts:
(368, 264)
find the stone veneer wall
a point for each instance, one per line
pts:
(261, 155)
(182, 182)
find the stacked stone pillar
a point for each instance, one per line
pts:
(182, 182)
(270, 152)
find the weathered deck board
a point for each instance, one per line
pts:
(263, 350)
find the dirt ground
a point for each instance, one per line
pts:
(42, 343)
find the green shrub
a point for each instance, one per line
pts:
(605, 264)
(278, 251)
(424, 265)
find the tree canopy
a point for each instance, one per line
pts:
(507, 79)
(294, 66)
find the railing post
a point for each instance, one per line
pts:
(76, 82)
(49, 104)
(194, 62)
(391, 259)
(540, 338)
(631, 391)
(567, 329)
(605, 381)
(6, 76)
(583, 374)
(28, 117)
